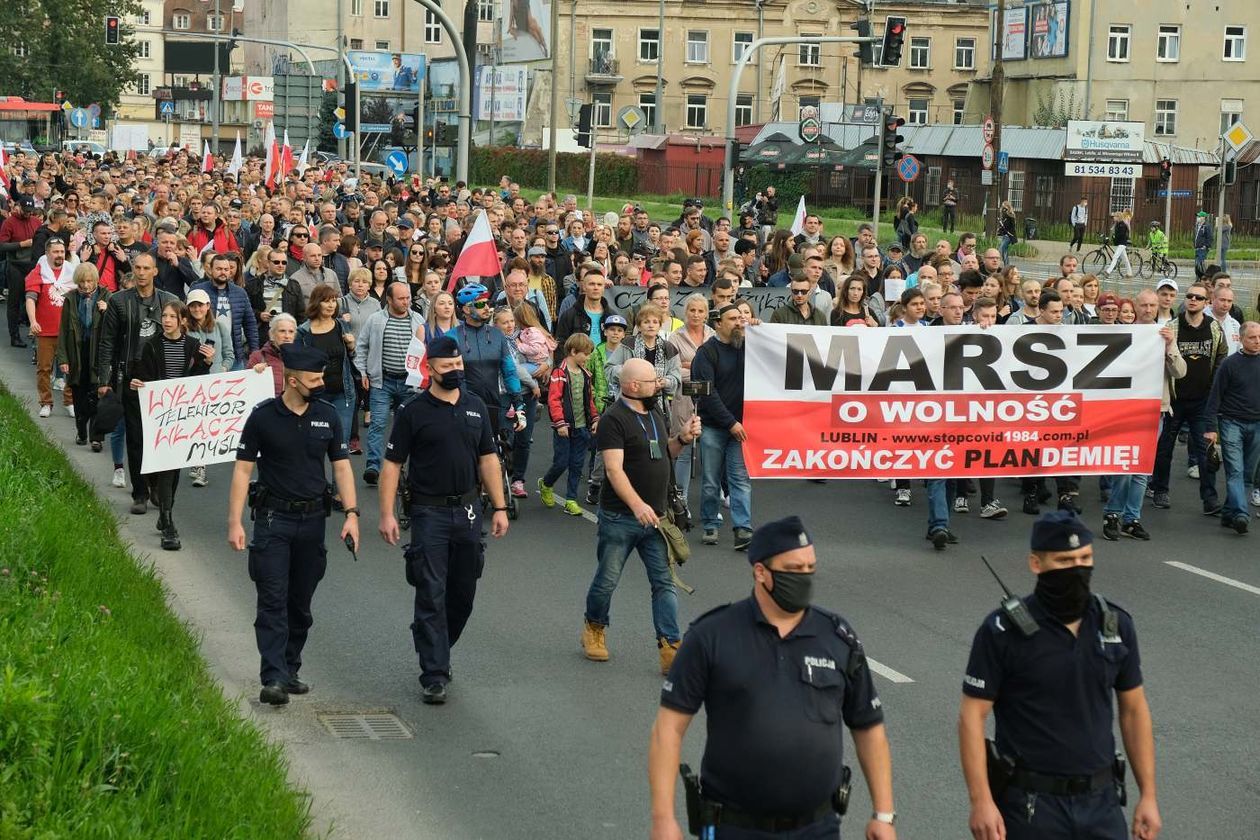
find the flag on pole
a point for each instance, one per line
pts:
(478, 257)
(238, 161)
(207, 159)
(4, 173)
(285, 157)
(303, 161)
(780, 84)
(269, 148)
(798, 221)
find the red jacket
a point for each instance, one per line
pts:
(223, 239)
(560, 399)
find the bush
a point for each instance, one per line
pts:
(614, 174)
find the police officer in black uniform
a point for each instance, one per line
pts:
(289, 437)
(777, 677)
(444, 435)
(1047, 672)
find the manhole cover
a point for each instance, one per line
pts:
(371, 727)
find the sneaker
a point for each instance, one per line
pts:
(80, 440)
(1255, 497)
(1031, 507)
(710, 537)
(59, 384)
(1150, 494)
(69, 411)
(726, 500)
(370, 477)
(592, 493)
(1161, 500)
(198, 476)
(1212, 507)
(1193, 472)
(1239, 524)
(951, 537)
(120, 478)
(743, 537)
(355, 448)
(993, 510)
(1111, 526)
(1134, 531)
(902, 499)
(547, 494)
(594, 644)
(433, 695)
(939, 538)
(139, 506)
(1070, 501)
(273, 694)
(573, 508)
(518, 490)
(961, 506)
(45, 411)
(667, 651)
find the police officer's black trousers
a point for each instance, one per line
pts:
(135, 441)
(443, 562)
(287, 560)
(828, 828)
(1043, 816)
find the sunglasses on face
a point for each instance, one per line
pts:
(480, 304)
(1195, 297)
(799, 292)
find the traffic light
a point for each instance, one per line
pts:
(892, 154)
(428, 136)
(1165, 170)
(396, 131)
(352, 107)
(439, 133)
(894, 37)
(584, 126)
(113, 34)
(1231, 172)
(866, 50)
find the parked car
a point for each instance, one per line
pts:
(83, 147)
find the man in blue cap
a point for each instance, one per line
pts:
(289, 437)
(797, 672)
(1047, 672)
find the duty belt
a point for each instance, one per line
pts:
(461, 500)
(725, 815)
(1062, 785)
(293, 506)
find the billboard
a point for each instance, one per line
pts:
(504, 89)
(1050, 30)
(1015, 34)
(377, 112)
(387, 72)
(525, 27)
(1115, 142)
(249, 89)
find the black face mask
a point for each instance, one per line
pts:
(1065, 592)
(451, 380)
(792, 590)
(312, 394)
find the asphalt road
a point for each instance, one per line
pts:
(536, 742)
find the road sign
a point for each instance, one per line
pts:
(1085, 169)
(397, 162)
(340, 132)
(987, 128)
(986, 177)
(1003, 162)
(908, 168)
(986, 156)
(79, 118)
(1237, 136)
(166, 106)
(339, 113)
(1175, 194)
(633, 118)
(94, 110)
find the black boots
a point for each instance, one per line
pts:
(166, 524)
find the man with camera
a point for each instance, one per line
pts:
(638, 452)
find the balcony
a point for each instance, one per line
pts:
(603, 70)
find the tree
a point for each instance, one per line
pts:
(64, 48)
(327, 119)
(1057, 110)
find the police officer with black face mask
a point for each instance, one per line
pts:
(1046, 666)
(796, 672)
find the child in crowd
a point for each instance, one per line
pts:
(610, 355)
(571, 404)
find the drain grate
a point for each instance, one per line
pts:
(379, 726)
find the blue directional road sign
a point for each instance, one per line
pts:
(79, 118)
(397, 162)
(1003, 163)
(908, 168)
(166, 106)
(340, 131)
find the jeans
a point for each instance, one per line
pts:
(619, 534)
(682, 469)
(345, 412)
(940, 491)
(1191, 413)
(390, 395)
(1004, 246)
(1128, 492)
(721, 456)
(118, 443)
(569, 453)
(522, 442)
(1240, 452)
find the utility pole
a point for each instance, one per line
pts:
(658, 121)
(996, 90)
(218, 84)
(555, 95)
(879, 166)
(1220, 206)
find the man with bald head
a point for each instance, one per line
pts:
(305, 279)
(637, 449)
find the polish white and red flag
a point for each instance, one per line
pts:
(238, 161)
(207, 158)
(478, 257)
(269, 165)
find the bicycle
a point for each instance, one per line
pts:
(1099, 258)
(1149, 266)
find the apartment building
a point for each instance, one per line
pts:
(135, 105)
(1182, 67)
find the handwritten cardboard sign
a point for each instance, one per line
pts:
(198, 420)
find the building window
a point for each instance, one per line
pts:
(803, 102)
(382, 46)
(601, 46)
(1118, 43)
(1168, 45)
(144, 18)
(965, 54)
(917, 111)
(1015, 190)
(144, 84)
(649, 45)
(380, 8)
(1235, 43)
(1231, 112)
(742, 41)
(932, 187)
(1117, 110)
(432, 27)
(809, 55)
(647, 104)
(1165, 117)
(920, 53)
(959, 105)
(601, 115)
(144, 49)
(697, 47)
(743, 109)
(697, 110)
(181, 20)
(1044, 195)
(356, 8)
(356, 43)
(1121, 194)
(214, 23)
(19, 50)
(486, 10)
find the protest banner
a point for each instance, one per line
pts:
(949, 402)
(197, 420)
(763, 299)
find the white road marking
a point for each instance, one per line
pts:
(586, 514)
(887, 673)
(1237, 584)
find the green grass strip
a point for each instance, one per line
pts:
(110, 724)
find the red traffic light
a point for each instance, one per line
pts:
(898, 28)
(112, 34)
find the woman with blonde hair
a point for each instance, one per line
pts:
(687, 340)
(77, 339)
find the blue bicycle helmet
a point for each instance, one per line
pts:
(470, 293)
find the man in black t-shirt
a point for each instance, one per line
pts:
(637, 451)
